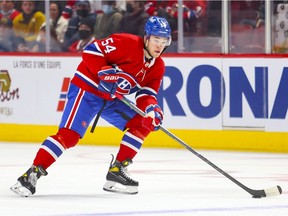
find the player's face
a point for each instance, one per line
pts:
(155, 45)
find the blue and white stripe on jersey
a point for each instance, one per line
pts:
(53, 147)
(132, 141)
(93, 49)
(86, 79)
(146, 91)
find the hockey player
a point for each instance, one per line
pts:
(120, 64)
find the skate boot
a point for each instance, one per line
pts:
(26, 184)
(119, 180)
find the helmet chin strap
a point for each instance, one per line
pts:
(145, 48)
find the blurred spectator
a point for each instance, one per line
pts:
(244, 10)
(85, 34)
(27, 24)
(158, 8)
(121, 5)
(40, 44)
(151, 7)
(69, 10)
(192, 9)
(82, 11)
(20, 45)
(214, 18)
(7, 10)
(6, 35)
(161, 8)
(193, 13)
(248, 27)
(258, 18)
(134, 17)
(57, 21)
(109, 21)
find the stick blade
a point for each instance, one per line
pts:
(274, 191)
(269, 192)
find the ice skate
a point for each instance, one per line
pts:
(26, 184)
(119, 180)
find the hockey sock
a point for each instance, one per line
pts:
(54, 146)
(49, 151)
(129, 146)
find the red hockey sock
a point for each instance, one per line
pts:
(43, 158)
(53, 147)
(49, 152)
(125, 153)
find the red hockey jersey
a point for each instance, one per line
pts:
(125, 52)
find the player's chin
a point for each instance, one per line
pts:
(156, 54)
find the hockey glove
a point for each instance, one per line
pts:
(108, 81)
(154, 117)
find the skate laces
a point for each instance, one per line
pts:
(121, 167)
(125, 173)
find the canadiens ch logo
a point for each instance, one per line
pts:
(126, 83)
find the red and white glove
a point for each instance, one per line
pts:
(153, 118)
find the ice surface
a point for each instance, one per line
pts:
(173, 182)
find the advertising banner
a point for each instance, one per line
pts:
(216, 102)
(196, 93)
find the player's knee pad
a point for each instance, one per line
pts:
(68, 138)
(135, 127)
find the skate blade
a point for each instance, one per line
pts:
(116, 187)
(20, 190)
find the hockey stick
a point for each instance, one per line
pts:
(273, 191)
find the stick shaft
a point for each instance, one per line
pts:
(140, 112)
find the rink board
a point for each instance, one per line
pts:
(214, 102)
(198, 139)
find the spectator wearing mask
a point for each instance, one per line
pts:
(85, 36)
(109, 21)
(82, 11)
(134, 18)
(27, 24)
(7, 10)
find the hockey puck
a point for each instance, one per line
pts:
(256, 196)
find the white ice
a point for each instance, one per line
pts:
(173, 182)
